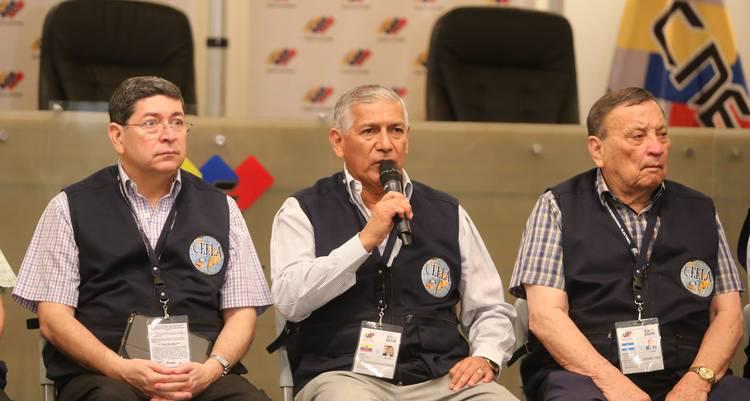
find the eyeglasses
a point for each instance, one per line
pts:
(153, 127)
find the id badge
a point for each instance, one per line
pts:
(639, 346)
(377, 349)
(168, 340)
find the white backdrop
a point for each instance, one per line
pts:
(303, 54)
(595, 25)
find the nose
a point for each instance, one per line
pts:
(656, 145)
(167, 133)
(384, 142)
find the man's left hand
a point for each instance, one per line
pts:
(470, 371)
(690, 388)
(200, 376)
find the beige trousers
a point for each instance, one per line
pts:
(348, 386)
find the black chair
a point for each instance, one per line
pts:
(503, 65)
(90, 46)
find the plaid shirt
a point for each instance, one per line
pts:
(540, 256)
(50, 269)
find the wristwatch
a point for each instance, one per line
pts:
(223, 361)
(495, 367)
(705, 373)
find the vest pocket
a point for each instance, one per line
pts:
(329, 339)
(438, 335)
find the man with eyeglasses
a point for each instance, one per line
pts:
(144, 239)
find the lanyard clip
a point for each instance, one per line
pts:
(639, 304)
(381, 313)
(164, 306)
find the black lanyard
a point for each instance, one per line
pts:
(154, 256)
(380, 282)
(640, 254)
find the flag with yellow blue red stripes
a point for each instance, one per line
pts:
(684, 52)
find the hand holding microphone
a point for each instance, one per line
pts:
(390, 177)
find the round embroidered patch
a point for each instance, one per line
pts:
(696, 276)
(436, 277)
(207, 255)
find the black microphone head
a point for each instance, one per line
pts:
(389, 171)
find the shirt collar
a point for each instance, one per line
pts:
(354, 186)
(132, 188)
(602, 189)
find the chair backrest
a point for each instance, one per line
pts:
(48, 386)
(521, 330)
(502, 64)
(90, 46)
(285, 371)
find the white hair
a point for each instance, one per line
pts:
(342, 119)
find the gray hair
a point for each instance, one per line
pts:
(621, 97)
(123, 100)
(342, 119)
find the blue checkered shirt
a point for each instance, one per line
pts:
(540, 256)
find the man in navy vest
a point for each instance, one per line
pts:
(743, 245)
(370, 318)
(631, 289)
(144, 238)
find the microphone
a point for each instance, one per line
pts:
(390, 177)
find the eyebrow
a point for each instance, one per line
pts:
(175, 114)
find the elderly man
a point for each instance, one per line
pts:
(144, 245)
(743, 246)
(632, 291)
(350, 287)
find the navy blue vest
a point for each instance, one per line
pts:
(114, 265)
(431, 343)
(599, 269)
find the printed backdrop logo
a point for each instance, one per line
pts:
(355, 4)
(245, 184)
(318, 94)
(9, 9)
(357, 57)
(392, 26)
(9, 80)
(281, 57)
(319, 25)
(684, 53)
(400, 90)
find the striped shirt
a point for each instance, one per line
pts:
(50, 270)
(540, 256)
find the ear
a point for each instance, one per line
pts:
(115, 132)
(336, 138)
(596, 149)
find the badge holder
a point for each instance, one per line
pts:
(639, 346)
(136, 341)
(377, 349)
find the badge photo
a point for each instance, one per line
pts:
(436, 277)
(697, 278)
(207, 255)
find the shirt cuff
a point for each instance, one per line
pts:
(487, 351)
